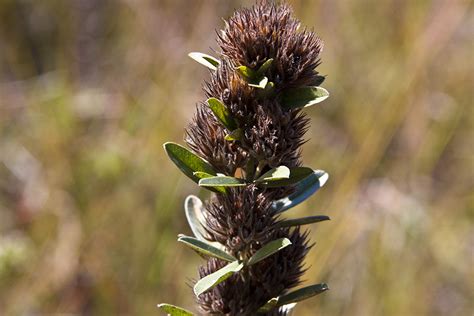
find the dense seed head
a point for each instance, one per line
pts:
(244, 293)
(205, 136)
(251, 36)
(270, 133)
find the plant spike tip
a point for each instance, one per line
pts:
(245, 145)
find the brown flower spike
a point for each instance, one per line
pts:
(245, 143)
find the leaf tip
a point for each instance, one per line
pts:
(210, 100)
(323, 179)
(196, 290)
(166, 145)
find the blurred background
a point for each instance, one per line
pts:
(90, 206)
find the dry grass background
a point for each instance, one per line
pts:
(90, 206)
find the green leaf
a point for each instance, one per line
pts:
(222, 113)
(193, 208)
(203, 175)
(248, 74)
(296, 175)
(174, 310)
(236, 134)
(211, 280)
(194, 211)
(302, 221)
(302, 294)
(303, 97)
(303, 190)
(187, 161)
(256, 78)
(222, 181)
(260, 83)
(278, 173)
(205, 248)
(268, 250)
(264, 67)
(206, 60)
(288, 301)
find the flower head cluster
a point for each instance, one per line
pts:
(245, 143)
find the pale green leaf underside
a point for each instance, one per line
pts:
(193, 208)
(174, 310)
(205, 248)
(203, 175)
(205, 60)
(268, 250)
(278, 173)
(296, 174)
(221, 181)
(303, 97)
(217, 277)
(259, 83)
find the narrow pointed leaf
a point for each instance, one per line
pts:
(206, 60)
(221, 182)
(259, 83)
(236, 134)
(205, 248)
(222, 113)
(303, 221)
(187, 161)
(302, 294)
(303, 190)
(296, 175)
(264, 67)
(193, 208)
(303, 97)
(255, 78)
(174, 310)
(217, 277)
(278, 173)
(248, 74)
(194, 211)
(268, 250)
(203, 175)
